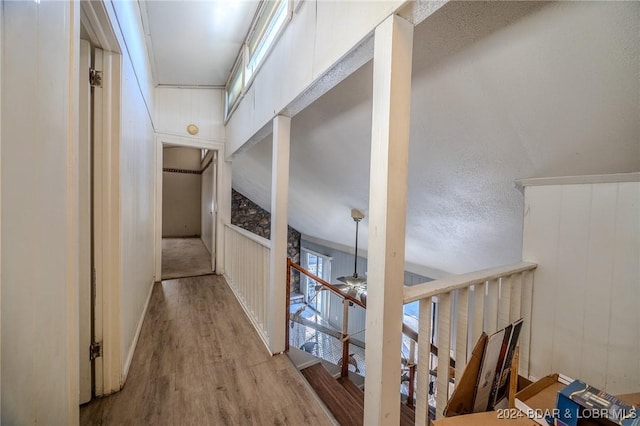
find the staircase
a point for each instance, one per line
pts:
(343, 398)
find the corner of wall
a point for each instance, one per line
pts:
(132, 348)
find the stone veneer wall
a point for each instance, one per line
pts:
(248, 215)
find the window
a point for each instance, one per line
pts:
(234, 87)
(269, 22)
(320, 266)
(273, 16)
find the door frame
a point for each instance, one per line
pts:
(97, 18)
(85, 261)
(222, 194)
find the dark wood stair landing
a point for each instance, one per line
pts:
(344, 399)
(344, 407)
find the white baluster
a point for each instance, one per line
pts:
(444, 348)
(525, 334)
(516, 297)
(504, 304)
(424, 363)
(491, 312)
(478, 312)
(462, 331)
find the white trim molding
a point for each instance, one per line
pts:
(136, 337)
(222, 192)
(578, 180)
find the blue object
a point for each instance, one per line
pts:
(578, 401)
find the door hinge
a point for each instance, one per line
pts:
(95, 350)
(95, 78)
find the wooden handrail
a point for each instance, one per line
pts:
(409, 332)
(322, 282)
(406, 329)
(455, 282)
(250, 235)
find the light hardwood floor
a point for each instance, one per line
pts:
(200, 362)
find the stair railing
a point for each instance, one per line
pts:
(469, 304)
(345, 337)
(347, 301)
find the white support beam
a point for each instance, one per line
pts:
(387, 216)
(223, 206)
(276, 303)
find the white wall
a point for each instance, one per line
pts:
(207, 203)
(1, 60)
(39, 213)
(137, 177)
(181, 193)
(320, 33)
(586, 322)
(177, 108)
(501, 91)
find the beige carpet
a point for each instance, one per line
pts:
(184, 257)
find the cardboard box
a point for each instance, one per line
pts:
(581, 404)
(489, 418)
(461, 401)
(538, 400)
(484, 383)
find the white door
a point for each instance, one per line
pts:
(84, 233)
(101, 213)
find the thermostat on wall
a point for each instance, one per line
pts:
(192, 129)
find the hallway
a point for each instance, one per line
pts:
(184, 257)
(200, 362)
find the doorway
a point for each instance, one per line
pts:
(187, 228)
(187, 212)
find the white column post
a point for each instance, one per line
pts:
(278, 257)
(223, 206)
(387, 218)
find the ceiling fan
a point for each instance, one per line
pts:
(355, 285)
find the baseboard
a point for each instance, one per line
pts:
(132, 349)
(249, 314)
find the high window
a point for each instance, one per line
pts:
(268, 24)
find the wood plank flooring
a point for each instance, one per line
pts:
(200, 362)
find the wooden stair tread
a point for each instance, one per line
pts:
(407, 416)
(353, 390)
(344, 407)
(344, 398)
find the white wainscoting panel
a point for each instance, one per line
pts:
(586, 299)
(177, 108)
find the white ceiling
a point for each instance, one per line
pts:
(501, 91)
(195, 42)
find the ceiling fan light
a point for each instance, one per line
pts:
(353, 281)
